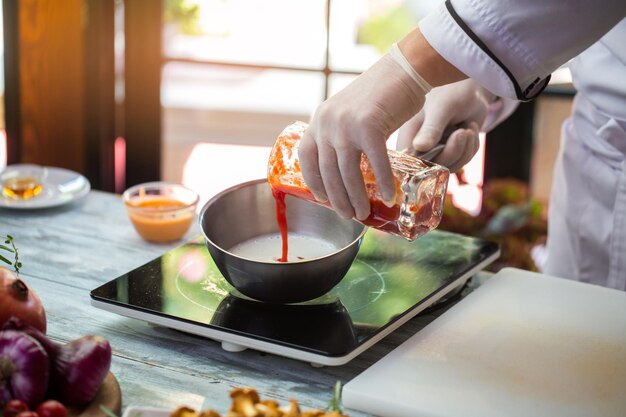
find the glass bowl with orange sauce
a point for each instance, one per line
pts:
(160, 211)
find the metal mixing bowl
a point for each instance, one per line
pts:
(248, 211)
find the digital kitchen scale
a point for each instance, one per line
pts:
(390, 282)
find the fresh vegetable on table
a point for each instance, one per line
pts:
(28, 413)
(19, 300)
(51, 408)
(33, 367)
(77, 368)
(24, 368)
(48, 408)
(13, 407)
(9, 246)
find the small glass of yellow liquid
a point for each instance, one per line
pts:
(21, 182)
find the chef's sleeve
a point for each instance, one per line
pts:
(511, 47)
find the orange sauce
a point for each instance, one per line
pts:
(162, 220)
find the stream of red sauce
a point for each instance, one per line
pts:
(380, 214)
(281, 219)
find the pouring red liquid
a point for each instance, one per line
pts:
(379, 215)
(281, 219)
(420, 189)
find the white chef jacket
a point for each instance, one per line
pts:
(511, 47)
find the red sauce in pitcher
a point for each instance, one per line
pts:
(380, 215)
(285, 177)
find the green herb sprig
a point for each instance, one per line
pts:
(9, 246)
(335, 401)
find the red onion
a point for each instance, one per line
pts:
(51, 347)
(24, 368)
(79, 369)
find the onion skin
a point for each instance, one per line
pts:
(79, 369)
(50, 346)
(18, 299)
(24, 368)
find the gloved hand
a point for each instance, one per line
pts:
(359, 119)
(459, 109)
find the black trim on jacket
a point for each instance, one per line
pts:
(521, 95)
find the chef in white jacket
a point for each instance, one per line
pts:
(508, 50)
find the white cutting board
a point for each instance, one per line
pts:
(523, 344)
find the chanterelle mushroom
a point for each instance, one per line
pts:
(184, 412)
(244, 400)
(246, 403)
(210, 413)
(293, 410)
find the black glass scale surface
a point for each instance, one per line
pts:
(390, 281)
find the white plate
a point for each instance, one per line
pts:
(133, 411)
(60, 186)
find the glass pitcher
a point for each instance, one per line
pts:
(420, 186)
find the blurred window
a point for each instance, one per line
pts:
(274, 55)
(236, 71)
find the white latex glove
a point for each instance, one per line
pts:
(460, 110)
(359, 119)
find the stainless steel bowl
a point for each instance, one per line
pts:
(247, 211)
